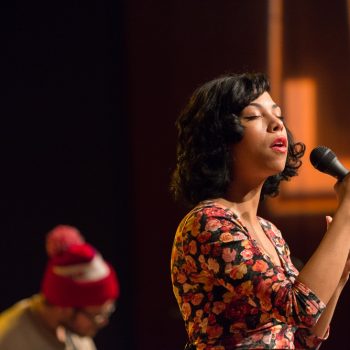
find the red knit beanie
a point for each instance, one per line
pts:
(76, 274)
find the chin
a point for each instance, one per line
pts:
(90, 334)
(278, 168)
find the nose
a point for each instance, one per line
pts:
(275, 124)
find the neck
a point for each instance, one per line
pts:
(244, 200)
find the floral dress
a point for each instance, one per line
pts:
(230, 294)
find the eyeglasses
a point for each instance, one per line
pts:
(99, 317)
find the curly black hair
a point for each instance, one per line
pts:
(207, 127)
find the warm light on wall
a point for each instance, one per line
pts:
(311, 191)
(301, 116)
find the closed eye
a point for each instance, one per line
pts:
(251, 117)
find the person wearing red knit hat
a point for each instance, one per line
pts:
(78, 293)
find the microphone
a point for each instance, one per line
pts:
(325, 160)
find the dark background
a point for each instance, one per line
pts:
(91, 91)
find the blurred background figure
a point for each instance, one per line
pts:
(78, 293)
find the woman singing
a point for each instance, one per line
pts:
(231, 269)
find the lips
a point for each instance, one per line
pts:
(279, 145)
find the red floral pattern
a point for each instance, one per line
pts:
(230, 294)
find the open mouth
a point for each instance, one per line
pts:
(280, 145)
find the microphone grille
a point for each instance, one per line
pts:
(321, 156)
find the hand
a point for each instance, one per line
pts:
(342, 188)
(345, 275)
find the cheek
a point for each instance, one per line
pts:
(254, 133)
(83, 325)
(251, 143)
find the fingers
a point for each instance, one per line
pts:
(328, 220)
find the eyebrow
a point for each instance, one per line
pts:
(261, 106)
